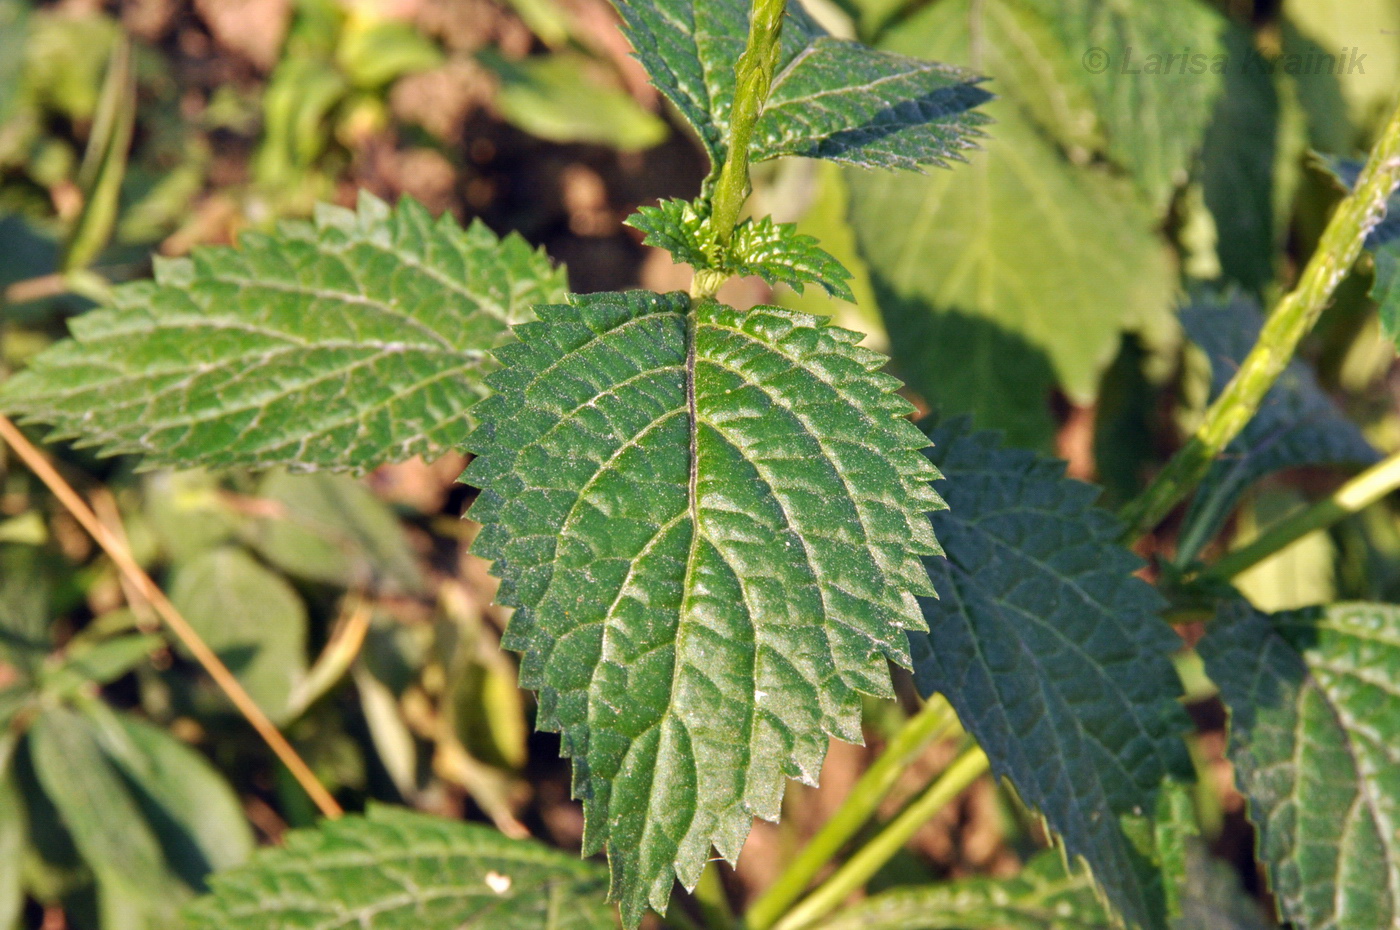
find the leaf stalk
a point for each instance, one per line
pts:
(1292, 318)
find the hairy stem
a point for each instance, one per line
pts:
(1291, 319)
(141, 582)
(753, 78)
(966, 769)
(932, 721)
(1356, 495)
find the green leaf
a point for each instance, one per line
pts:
(1313, 697)
(398, 870)
(193, 812)
(24, 607)
(1297, 423)
(107, 826)
(14, 828)
(1017, 272)
(373, 51)
(776, 252)
(1154, 113)
(829, 99)
(334, 530)
(87, 663)
(252, 619)
(14, 28)
(1350, 91)
(710, 522)
(1237, 165)
(563, 97)
(1053, 654)
(1214, 898)
(345, 345)
(1043, 896)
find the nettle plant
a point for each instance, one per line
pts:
(718, 528)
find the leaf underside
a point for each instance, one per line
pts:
(830, 98)
(1313, 695)
(355, 341)
(399, 870)
(1297, 423)
(776, 252)
(1053, 654)
(710, 522)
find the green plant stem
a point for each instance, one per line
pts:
(753, 78)
(966, 769)
(932, 721)
(1291, 319)
(1356, 495)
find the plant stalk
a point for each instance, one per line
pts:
(753, 77)
(126, 564)
(965, 770)
(932, 721)
(1292, 318)
(1354, 496)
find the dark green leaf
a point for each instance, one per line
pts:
(1053, 655)
(1297, 423)
(87, 663)
(1313, 696)
(24, 606)
(1044, 896)
(397, 870)
(193, 812)
(1237, 165)
(357, 341)
(776, 252)
(710, 522)
(107, 826)
(830, 98)
(250, 617)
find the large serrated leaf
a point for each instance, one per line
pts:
(398, 870)
(830, 98)
(1297, 423)
(710, 523)
(1053, 654)
(355, 342)
(1313, 696)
